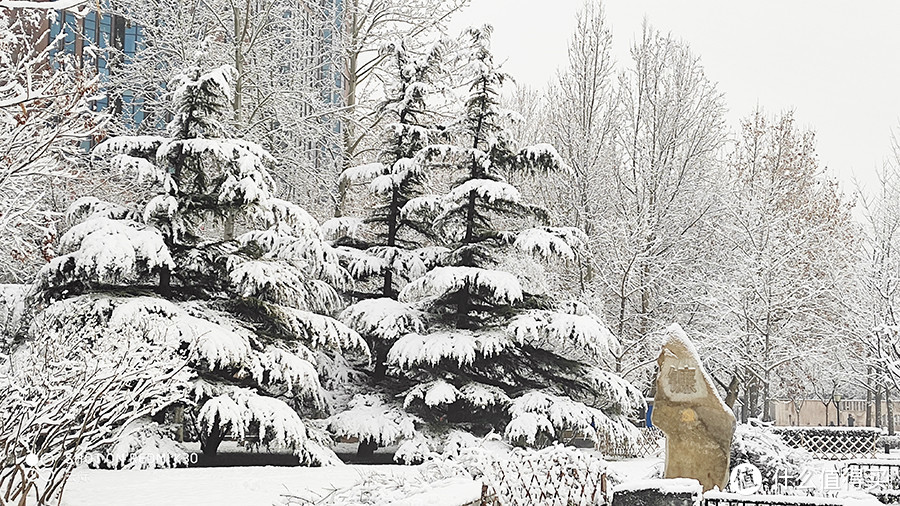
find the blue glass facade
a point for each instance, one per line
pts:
(88, 38)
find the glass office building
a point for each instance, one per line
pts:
(88, 38)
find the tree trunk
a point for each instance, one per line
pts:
(890, 410)
(869, 397)
(209, 445)
(878, 397)
(732, 391)
(165, 280)
(381, 353)
(366, 448)
(229, 226)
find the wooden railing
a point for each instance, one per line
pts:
(832, 443)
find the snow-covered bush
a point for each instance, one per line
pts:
(142, 444)
(753, 443)
(414, 451)
(60, 407)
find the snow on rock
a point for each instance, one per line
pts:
(384, 318)
(674, 333)
(368, 417)
(498, 287)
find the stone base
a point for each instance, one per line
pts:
(675, 492)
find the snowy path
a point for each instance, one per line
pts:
(221, 486)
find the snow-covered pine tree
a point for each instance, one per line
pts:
(392, 257)
(247, 316)
(493, 355)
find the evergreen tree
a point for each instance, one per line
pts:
(243, 321)
(493, 354)
(392, 256)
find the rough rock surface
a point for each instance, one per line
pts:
(687, 408)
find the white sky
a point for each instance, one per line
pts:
(834, 62)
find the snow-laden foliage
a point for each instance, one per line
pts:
(413, 451)
(63, 402)
(495, 287)
(248, 315)
(143, 444)
(46, 113)
(104, 251)
(370, 419)
(485, 339)
(386, 257)
(538, 416)
(754, 443)
(239, 411)
(383, 318)
(558, 330)
(456, 346)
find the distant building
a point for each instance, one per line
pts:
(102, 28)
(813, 413)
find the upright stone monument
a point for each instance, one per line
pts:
(687, 408)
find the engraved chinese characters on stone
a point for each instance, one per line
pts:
(682, 380)
(687, 408)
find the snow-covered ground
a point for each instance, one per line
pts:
(242, 486)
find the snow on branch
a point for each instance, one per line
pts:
(460, 346)
(497, 287)
(318, 331)
(543, 156)
(242, 410)
(487, 190)
(281, 283)
(363, 173)
(87, 207)
(106, 251)
(550, 241)
(344, 226)
(540, 328)
(51, 5)
(538, 413)
(434, 393)
(384, 318)
(368, 418)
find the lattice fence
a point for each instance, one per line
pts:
(650, 444)
(832, 443)
(554, 476)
